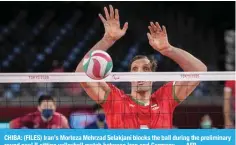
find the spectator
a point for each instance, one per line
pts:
(15, 88)
(8, 95)
(206, 122)
(100, 122)
(45, 118)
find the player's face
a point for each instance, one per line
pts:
(141, 65)
(47, 104)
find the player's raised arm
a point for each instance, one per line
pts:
(159, 41)
(113, 32)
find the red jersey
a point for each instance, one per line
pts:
(34, 120)
(122, 112)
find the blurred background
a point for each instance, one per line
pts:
(54, 36)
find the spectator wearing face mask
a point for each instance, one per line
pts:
(206, 122)
(100, 121)
(45, 117)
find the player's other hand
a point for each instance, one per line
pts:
(111, 23)
(158, 39)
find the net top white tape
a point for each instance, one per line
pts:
(116, 77)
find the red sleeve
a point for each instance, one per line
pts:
(229, 84)
(24, 121)
(114, 96)
(166, 94)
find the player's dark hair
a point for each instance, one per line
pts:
(150, 58)
(45, 98)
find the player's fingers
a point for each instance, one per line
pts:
(154, 28)
(111, 11)
(125, 27)
(164, 29)
(102, 18)
(117, 17)
(158, 27)
(151, 30)
(149, 37)
(106, 13)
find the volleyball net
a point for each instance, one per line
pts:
(20, 93)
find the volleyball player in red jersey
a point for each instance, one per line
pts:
(141, 109)
(44, 118)
(229, 104)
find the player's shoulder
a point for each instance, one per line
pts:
(168, 84)
(164, 90)
(59, 115)
(166, 87)
(115, 89)
(31, 115)
(112, 86)
(34, 114)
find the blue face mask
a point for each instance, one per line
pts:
(47, 113)
(101, 117)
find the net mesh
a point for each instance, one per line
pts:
(20, 94)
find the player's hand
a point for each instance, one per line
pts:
(158, 39)
(111, 24)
